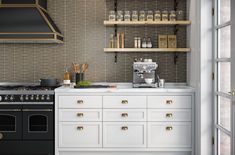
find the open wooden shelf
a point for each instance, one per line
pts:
(125, 50)
(145, 23)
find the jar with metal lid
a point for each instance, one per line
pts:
(165, 16)
(172, 16)
(112, 16)
(150, 16)
(142, 16)
(134, 16)
(180, 15)
(157, 15)
(127, 16)
(119, 15)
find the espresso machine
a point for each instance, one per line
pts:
(144, 74)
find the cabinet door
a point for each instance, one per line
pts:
(124, 102)
(80, 102)
(165, 102)
(72, 134)
(127, 134)
(172, 134)
(166, 115)
(76, 115)
(124, 115)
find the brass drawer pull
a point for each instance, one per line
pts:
(80, 128)
(124, 128)
(80, 114)
(80, 102)
(169, 102)
(124, 101)
(169, 115)
(124, 114)
(1, 136)
(169, 128)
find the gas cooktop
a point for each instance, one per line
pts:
(26, 87)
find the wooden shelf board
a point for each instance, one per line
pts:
(140, 23)
(111, 50)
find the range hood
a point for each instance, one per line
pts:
(27, 21)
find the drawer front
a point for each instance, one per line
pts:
(172, 134)
(124, 102)
(74, 115)
(169, 102)
(80, 135)
(124, 134)
(80, 102)
(169, 115)
(124, 115)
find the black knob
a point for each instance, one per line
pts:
(6, 98)
(12, 98)
(21, 98)
(48, 97)
(0, 98)
(37, 97)
(42, 98)
(26, 97)
(32, 97)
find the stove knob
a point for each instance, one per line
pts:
(12, 98)
(32, 97)
(6, 98)
(37, 97)
(21, 98)
(26, 97)
(42, 97)
(0, 98)
(48, 97)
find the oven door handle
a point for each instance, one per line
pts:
(10, 110)
(37, 110)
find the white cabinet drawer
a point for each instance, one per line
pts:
(169, 102)
(80, 102)
(172, 134)
(124, 102)
(124, 115)
(71, 115)
(169, 115)
(79, 135)
(127, 134)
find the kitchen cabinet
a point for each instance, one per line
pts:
(124, 121)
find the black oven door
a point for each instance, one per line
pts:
(38, 122)
(10, 122)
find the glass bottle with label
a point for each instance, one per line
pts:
(150, 16)
(112, 16)
(142, 16)
(127, 16)
(172, 16)
(157, 16)
(134, 16)
(119, 15)
(165, 16)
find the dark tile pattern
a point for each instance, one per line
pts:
(81, 22)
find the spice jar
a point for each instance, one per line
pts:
(150, 16)
(172, 16)
(149, 43)
(136, 42)
(180, 15)
(112, 16)
(165, 16)
(144, 43)
(142, 16)
(119, 15)
(127, 16)
(134, 16)
(157, 15)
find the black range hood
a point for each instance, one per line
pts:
(27, 21)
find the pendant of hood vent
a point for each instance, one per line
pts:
(27, 21)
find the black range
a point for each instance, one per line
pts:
(26, 119)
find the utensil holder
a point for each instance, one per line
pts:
(79, 77)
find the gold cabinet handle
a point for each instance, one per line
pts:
(80, 101)
(169, 102)
(124, 114)
(169, 128)
(232, 93)
(80, 114)
(169, 115)
(1, 136)
(124, 128)
(124, 101)
(80, 128)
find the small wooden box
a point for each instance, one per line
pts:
(172, 41)
(162, 41)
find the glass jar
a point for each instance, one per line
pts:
(119, 15)
(127, 16)
(165, 16)
(172, 16)
(150, 16)
(142, 16)
(134, 16)
(112, 16)
(180, 15)
(157, 15)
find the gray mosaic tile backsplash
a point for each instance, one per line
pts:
(81, 22)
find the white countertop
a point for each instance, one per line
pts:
(127, 88)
